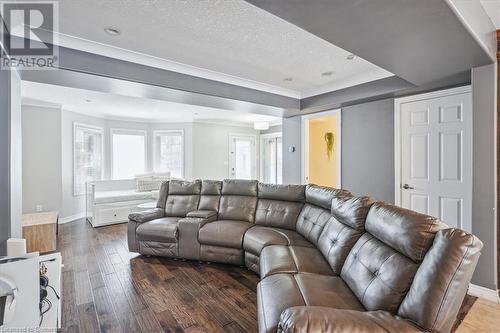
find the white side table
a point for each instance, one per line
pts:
(146, 206)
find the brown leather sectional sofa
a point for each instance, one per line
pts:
(328, 261)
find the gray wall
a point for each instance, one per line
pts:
(292, 160)
(16, 157)
(4, 159)
(368, 149)
(483, 197)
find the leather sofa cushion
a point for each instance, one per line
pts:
(295, 193)
(406, 231)
(277, 259)
(377, 274)
(211, 187)
(311, 221)
(225, 233)
(203, 214)
(236, 207)
(322, 196)
(239, 187)
(209, 202)
(180, 205)
(162, 195)
(183, 187)
(351, 210)
(258, 237)
(277, 293)
(159, 230)
(280, 214)
(325, 319)
(336, 241)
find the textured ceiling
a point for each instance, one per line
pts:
(225, 36)
(123, 107)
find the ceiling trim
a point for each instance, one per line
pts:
(152, 61)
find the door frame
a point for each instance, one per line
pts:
(397, 129)
(261, 149)
(256, 153)
(304, 140)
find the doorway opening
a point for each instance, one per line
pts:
(271, 157)
(321, 149)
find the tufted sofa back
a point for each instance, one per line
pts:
(279, 205)
(211, 191)
(182, 197)
(239, 200)
(384, 261)
(316, 212)
(344, 228)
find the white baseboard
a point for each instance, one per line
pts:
(484, 293)
(71, 218)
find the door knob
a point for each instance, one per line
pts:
(408, 187)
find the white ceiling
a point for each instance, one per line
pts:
(492, 8)
(122, 107)
(227, 40)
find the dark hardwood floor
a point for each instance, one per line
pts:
(108, 289)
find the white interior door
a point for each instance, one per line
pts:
(436, 156)
(242, 156)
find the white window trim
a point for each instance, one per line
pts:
(261, 150)
(305, 141)
(128, 131)
(91, 128)
(155, 148)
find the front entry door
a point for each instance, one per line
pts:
(242, 157)
(436, 156)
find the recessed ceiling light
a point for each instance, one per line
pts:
(329, 73)
(288, 79)
(350, 57)
(112, 31)
(196, 113)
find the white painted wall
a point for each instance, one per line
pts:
(48, 154)
(41, 158)
(211, 149)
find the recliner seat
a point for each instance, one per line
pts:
(328, 261)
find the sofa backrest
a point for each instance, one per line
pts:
(316, 212)
(439, 287)
(211, 191)
(279, 205)
(182, 198)
(239, 200)
(382, 264)
(343, 229)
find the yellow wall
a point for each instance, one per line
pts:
(322, 170)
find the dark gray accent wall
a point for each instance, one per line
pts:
(368, 149)
(483, 193)
(420, 41)
(292, 160)
(4, 158)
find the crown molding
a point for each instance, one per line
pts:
(152, 61)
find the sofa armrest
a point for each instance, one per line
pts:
(147, 215)
(189, 227)
(204, 214)
(301, 319)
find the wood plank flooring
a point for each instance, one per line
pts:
(108, 289)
